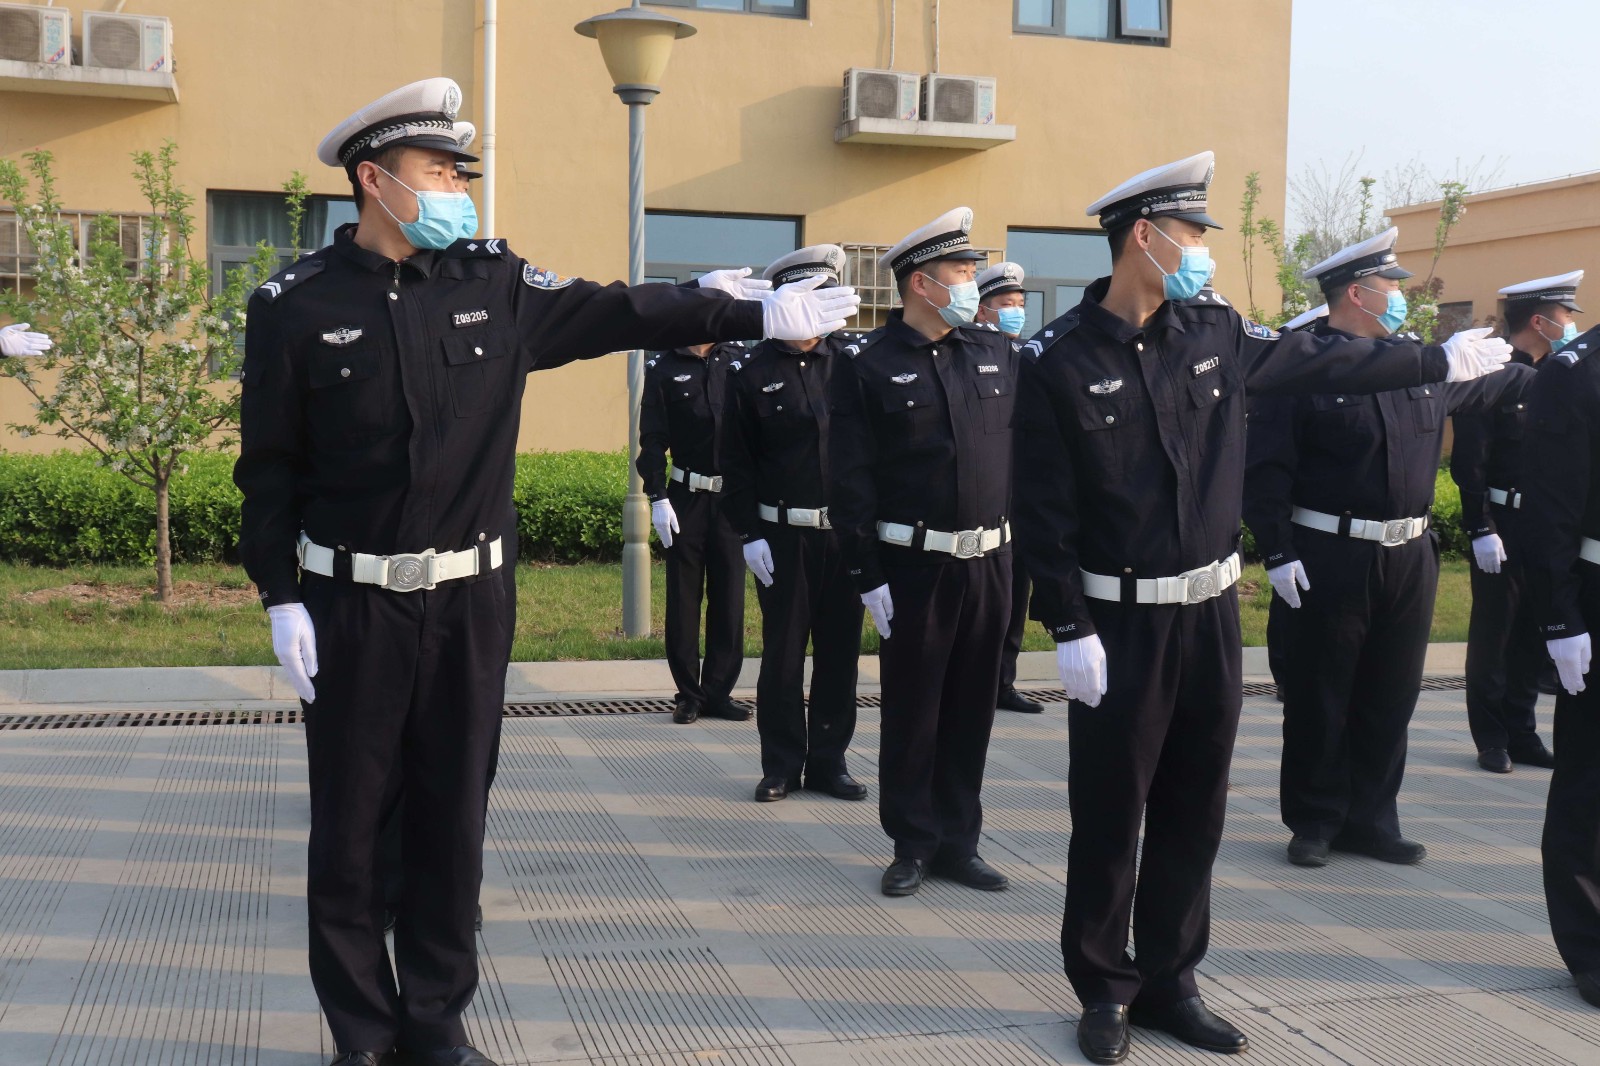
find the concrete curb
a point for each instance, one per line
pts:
(238, 686)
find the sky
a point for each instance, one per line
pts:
(1450, 82)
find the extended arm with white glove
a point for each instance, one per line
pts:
(880, 607)
(1285, 580)
(17, 340)
(736, 283)
(1472, 353)
(800, 310)
(294, 642)
(1571, 655)
(1489, 552)
(758, 557)
(665, 519)
(1082, 665)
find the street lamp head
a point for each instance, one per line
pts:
(635, 45)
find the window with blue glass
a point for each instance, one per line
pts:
(784, 8)
(1129, 21)
(679, 246)
(1059, 265)
(237, 221)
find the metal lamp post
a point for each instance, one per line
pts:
(635, 45)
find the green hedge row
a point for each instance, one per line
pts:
(64, 509)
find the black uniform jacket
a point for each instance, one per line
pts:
(1486, 454)
(1131, 441)
(381, 400)
(1373, 457)
(683, 412)
(920, 432)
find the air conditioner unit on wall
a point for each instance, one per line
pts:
(32, 34)
(880, 94)
(955, 98)
(127, 42)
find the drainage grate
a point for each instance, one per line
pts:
(542, 709)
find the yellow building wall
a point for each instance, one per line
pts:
(744, 124)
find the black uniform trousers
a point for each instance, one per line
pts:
(1155, 750)
(1016, 629)
(812, 598)
(705, 561)
(1356, 648)
(409, 701)
(1278, 638)
(1571, 844)
(1505, 655)
(941, 669)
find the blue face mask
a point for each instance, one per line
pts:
(1394, 316)
(442, 217)
(963, 305)
(1569, 333)
(1012, 319)
(1193, 274)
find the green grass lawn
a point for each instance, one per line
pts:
(563, 612)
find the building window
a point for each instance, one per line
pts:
(1132, 21)
(1059, 265)
(795, 9)
(680, 246)
(239, 220)
(19, 260)
(1453, 318)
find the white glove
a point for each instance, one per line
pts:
(736, 283)
(1082, 665)
(294, 642)
(880, 607)
(16, 340)
(1571, 655)
(1489, 552)
(758, 557)
(665, 519)
(1285, 577)
(800, 311)
(1473, 353)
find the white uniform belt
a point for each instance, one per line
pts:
(813, 517)
(1589, 550)
(1191, 586)
(1506, 498)
(400, 573)
(697, 482)
(965, 544)
(1390, 532)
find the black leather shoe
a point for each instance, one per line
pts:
(1495, 760)
(728, 710)
(1589, 986)
(1103, 1032)
(1191, 1021)
(1535, 754)
(1308, 851)
(365, 1058)
(839, 786)
(773, 789)
(464, 1055)
(1012, 700)
(685, 709)
(904, 877)
(972, 872)
(1400, 851)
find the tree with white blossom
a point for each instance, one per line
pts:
(145, 357)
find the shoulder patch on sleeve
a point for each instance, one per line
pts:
(1258, 331)
(539, 278)
(290, 276)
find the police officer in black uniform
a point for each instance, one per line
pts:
(1338, 490)
(1558, 536)
(1505, 655)
(684, 411)
(920, 450)
(382, 388)
(1130, 466)
(775, 495)
(1002, 303)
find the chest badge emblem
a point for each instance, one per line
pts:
(1105, 386)
(774, 387)
(342, 336)
(903, 379)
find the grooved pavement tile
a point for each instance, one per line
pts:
(1430, 1030)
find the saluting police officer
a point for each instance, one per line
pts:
(1130, 465)
(775, 477)
(1002, 303)
(1338, 490)
(684, 411)
(382, 389)
(1505, 656)
(920, 449)
(1558, 534)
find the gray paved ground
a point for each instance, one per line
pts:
(641, 910)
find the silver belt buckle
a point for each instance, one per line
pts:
(1203, 583)
(1395, 532)
(408, 573)
(716, 483)
(969, 544)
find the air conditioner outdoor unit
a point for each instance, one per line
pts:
(31, 34)
(953, 98)
(127, 42)
(880, 94)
